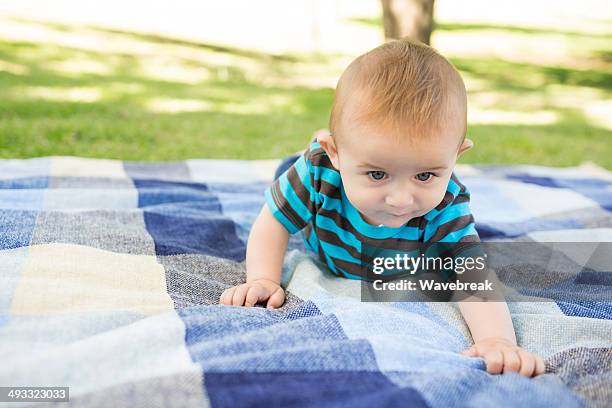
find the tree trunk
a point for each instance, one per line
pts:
(408, 18)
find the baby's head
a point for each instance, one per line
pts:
(398, 125)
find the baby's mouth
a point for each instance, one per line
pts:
(401, 215)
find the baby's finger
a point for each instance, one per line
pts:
(527, 363)
(495, 361)
(540, 366)
(276, 299)
(512, 361)
(253, 295)
(239, 295)
(227, 296)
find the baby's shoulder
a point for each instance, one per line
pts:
(316, 154)
(456, 186)
(324, 178)
(319, 162)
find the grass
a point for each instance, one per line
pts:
(147, 97)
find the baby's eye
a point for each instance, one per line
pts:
(377, 175)
(425, 176)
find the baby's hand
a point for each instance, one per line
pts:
(501, 356)
(250, 293)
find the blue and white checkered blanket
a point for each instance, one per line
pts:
(110, 274)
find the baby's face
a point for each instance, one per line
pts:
(391, 181)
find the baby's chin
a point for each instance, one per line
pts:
(387, 222)
(394, 223)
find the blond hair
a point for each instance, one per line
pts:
(400, 84)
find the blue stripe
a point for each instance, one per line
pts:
(457, 235)
(314, 241)
(345, 236)
(304, 175)
(323, 173)
(338, 252)
(330, 264)
(453, 212)
(294, 201)
(448, 215)
(334, 204)
(327, 175)
(452, 188)
(314, 146)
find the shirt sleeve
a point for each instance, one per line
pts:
(291, 198)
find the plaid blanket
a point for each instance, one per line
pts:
(110, 274)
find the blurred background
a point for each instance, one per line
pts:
(159, 80)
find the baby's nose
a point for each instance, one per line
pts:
(400, 199)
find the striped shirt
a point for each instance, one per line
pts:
(310, 197)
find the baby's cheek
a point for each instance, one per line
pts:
(354, 192)
(360, 196)
(366, 199)
(436, 197)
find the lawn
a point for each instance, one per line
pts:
(96, 92)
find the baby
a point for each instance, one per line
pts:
(383, 173)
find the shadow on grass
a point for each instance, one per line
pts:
(518, 29)
(523, 77)
(568, 142)
(121, 124)
(162, 39)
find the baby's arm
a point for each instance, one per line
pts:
(264, 260)
(494, 339)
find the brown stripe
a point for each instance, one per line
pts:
(333, 238)
(396, 244)
(283, 205)
(415, 222)
(470, 238)
(352, 268)
(341, 222)
(309, 230)
(456, 180)
(462, 198)
(466, 242)
(299, 189)
(344, 224)
(329, 190)
(451, 226)
(448, 198)
(318, 150)
(321, 159)
(321, 252)
(422, 224)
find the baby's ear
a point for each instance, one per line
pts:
(465, 146)
(328, 144)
